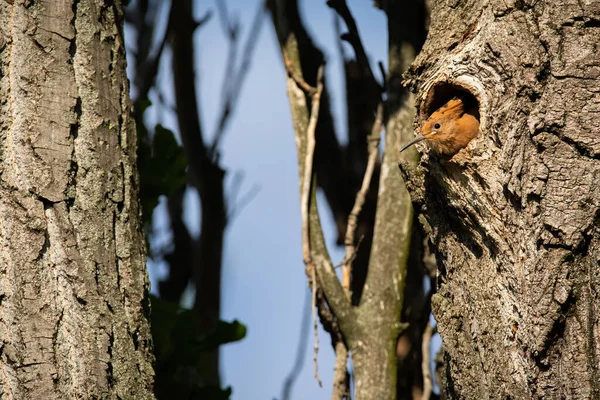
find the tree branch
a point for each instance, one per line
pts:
(340, 372)
(313, 280)
(315, 248)
(308, 167)
(361, 196)
(427, 382)
(291, 378)
(393, 225)
(353, 36)
(205, 175)
(289, 67)
(305, 197)
(234, 79)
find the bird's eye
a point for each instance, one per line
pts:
(437, 126)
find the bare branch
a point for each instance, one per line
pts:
(341, 382)
(146, 65)
(305, 197)
(353, 36)
(300, 350)
(340, 372)
(204, 174)
(230, 27)
(203, 20)
(393, 222)
(315, 325)
(427, 383)
(231, 30)
(383, 75)
(328, 280)
(146, 74)
(244, 200)
(234, 78)
(308, 167)
(361, 196)
(291, 71)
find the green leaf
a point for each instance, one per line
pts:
(226, 332)
(144, 104)
(179, 338)
(162, 164)
(164, 318)
(169, 159)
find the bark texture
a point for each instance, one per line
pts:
(73, 284)
(515, 219)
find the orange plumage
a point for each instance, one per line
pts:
(449, 129)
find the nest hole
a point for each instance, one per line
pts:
(442, 92)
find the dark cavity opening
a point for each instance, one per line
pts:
(441, 93)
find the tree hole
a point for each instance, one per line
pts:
(441, 93)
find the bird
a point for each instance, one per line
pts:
(449, 129)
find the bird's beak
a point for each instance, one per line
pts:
(417, 139)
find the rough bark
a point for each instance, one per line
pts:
(515, 218)
(73, 284)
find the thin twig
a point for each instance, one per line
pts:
(149, 69)
(353, 36)
(298, 79)
(427, 384)
(308, 166)
(305, 204)
(147, 65)
(292, 376)
(244, 200)
(383, 76)
(340, 372)
(230, 28)
(249, 48)
(234, 77)
(315, 325)
(373, 146)
(341, 381)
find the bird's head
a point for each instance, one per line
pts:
(448, 129)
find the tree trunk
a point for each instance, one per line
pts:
(368, 324)
(515, 218)
(73, 284)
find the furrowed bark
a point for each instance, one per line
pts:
(515, 218)
(73, 282)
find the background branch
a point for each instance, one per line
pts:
(292, 376)
(235, 75)
(353, 36)
(361, 197)
(308, 167)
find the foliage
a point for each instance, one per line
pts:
(179, 343)
(179, 346)
(162, 165)
(186, 356)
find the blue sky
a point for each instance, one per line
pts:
(264, 284)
